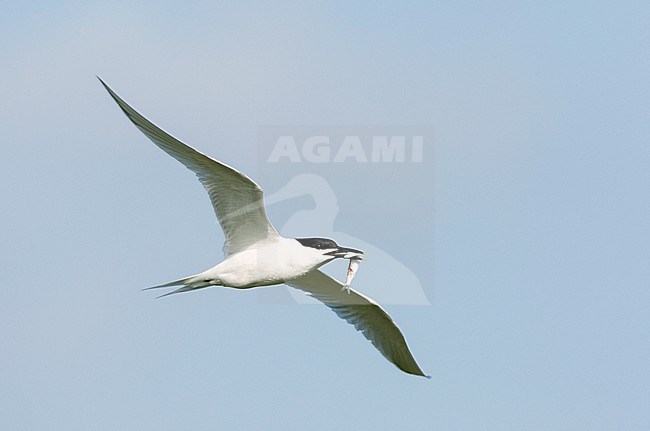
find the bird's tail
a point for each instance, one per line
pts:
(192, 282)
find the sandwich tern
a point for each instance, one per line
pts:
(257, 255)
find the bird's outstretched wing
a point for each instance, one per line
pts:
(237, 200)
(364, 313)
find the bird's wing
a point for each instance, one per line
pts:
(237, 200)
(364, 313)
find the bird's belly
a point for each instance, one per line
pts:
(252, 269)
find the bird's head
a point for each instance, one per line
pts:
(325, 250)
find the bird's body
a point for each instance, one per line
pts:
(268, 262)
(256, 255)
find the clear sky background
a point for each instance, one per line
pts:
(534, 258)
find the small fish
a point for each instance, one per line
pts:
(352, 271)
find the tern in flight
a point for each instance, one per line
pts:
(257, 255)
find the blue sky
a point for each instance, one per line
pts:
(530, 239)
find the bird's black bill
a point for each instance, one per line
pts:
(346, 253)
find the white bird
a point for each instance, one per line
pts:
(256, 255)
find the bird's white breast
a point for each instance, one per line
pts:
(268, 262)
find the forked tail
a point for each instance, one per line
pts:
(192, 282)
